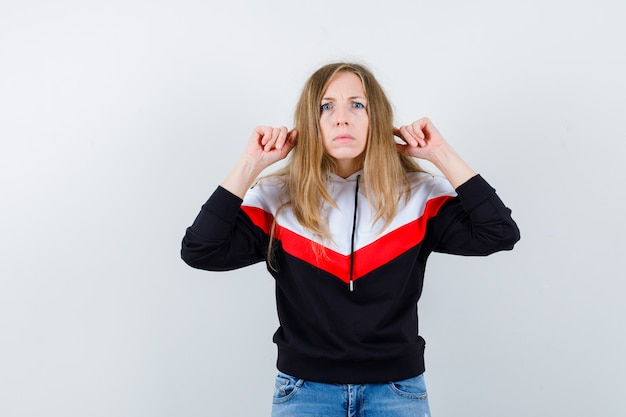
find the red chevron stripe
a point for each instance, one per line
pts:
(259, 217)
(366, 259)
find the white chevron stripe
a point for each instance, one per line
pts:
(268, 196)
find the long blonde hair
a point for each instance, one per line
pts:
(306, 173)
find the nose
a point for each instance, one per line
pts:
(341, 116)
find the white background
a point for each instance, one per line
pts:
(119, 118)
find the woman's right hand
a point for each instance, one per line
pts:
(268, 145)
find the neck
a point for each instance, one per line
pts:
(345, 168)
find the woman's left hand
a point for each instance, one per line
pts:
(422, 139)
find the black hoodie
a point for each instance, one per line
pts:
(330, 332)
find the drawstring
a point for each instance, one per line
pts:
(356, 203)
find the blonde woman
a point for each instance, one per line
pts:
(346, 228)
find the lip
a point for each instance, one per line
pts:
(343, 138)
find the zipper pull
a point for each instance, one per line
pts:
(351, 286)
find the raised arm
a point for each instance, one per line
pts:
(222, 237)
(423, 140)
(475, 223)
(266, 146)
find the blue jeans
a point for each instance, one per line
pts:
(295, 397)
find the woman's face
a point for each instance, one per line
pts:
(344, 121)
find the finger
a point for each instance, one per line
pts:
(426, 126)
(418, 128)
(418, 132)
(282, 137)
(403, 149)
(264, 133)
(423, 122)
(273, 135)
(290, 141)
(269, 140)
(398, 133)
(409, 135)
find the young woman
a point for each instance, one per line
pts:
(346, 228)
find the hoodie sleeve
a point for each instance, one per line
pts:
(223, 237)
(476, 222)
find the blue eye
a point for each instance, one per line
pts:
(358, 105)
(326, 106)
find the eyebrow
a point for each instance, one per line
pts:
(349, 98)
